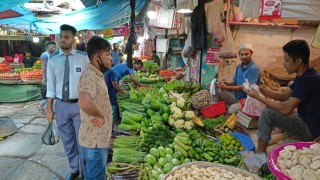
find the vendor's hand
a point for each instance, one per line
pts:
(98, 122)
(222, 85)
(49, 114)
(252, 93)
(317, 139)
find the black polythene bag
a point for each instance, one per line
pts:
(49, 136)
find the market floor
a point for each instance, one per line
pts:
(22, 155)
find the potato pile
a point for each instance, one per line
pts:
(316, 63)
(280, 72)
(269, 83)
(300, 164)
(214, 173)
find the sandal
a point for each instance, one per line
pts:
(41, 109)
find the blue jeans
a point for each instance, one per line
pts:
(95, 162)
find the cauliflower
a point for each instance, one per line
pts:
(171, 120)
(177, 113)
(188, 125)
(165, 96)
(174, 104)
(180, 103)
(179, 123)
(189, 115)
(162, 91)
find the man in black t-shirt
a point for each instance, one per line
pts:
(303, 94)
(28, 60)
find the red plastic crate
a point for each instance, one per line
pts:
(214, 110)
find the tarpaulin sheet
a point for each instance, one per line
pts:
(301, 10)
(8, 4)
(19, 92)
(106, 15)
(26, 18)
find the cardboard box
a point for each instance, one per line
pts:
(286, 21)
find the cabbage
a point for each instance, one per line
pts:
(162, 151)
(150, 159)
(154, 152)
(169, 151)
(177, 155)
(186, 160)
(160, 176)
(155, 174)
(175, 161)
(168, 157)
(162, 162)
(168, 167)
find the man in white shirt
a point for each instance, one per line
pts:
(63, 73)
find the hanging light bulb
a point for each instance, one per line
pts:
(185, 6)
(35, 39)
(152, 13)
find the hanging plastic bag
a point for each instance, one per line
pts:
(50, 135)
(214, 24)
(253, 106)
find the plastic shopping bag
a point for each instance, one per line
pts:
(253, 106)
(50, 135)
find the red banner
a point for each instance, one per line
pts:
(123, 31)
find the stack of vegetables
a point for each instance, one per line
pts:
(131, 142)
(30, 75)
(131, 105)
(147, 78)
(125, 149)
(155, 136)
(180, 116)
(151, 66)
(231, 142)
(182, 87)
(9, 76)
(156, 112)
(37, 66)
(127, 155)
(19, 70)
(130, 121)
(161, 160)
(5, 68)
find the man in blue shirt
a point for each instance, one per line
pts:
(112, 78)
(303, 94)
(232, 92)
(116, 55)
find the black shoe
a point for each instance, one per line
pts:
(72, 176)
(265, 169)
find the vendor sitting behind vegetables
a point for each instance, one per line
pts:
(112, 78)
(28, 60)
(303, 94)
(232, 92)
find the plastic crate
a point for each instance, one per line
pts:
(214, 110)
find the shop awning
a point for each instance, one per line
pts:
(17, 15)
(106, 15)
(8, 4)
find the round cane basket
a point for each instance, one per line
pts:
(201, 164)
